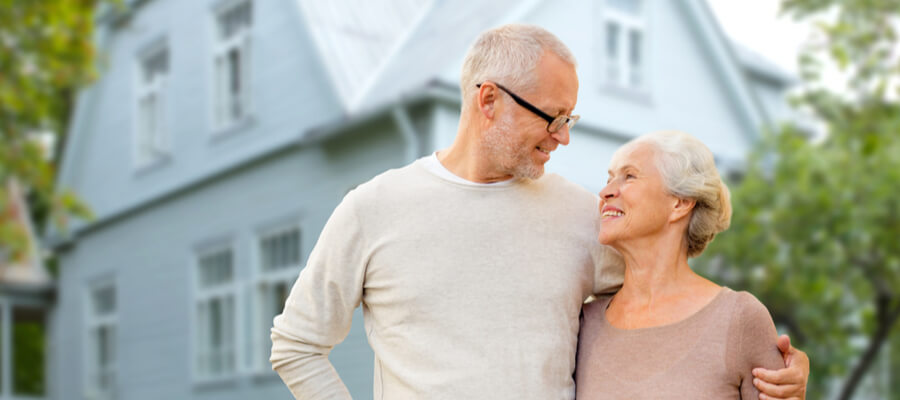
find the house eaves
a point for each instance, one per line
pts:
(763, 69)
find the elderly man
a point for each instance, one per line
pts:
(471, 265)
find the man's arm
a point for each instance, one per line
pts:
(609, 269)
(786, 383)
(318, 313)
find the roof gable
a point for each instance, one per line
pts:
(354, 39)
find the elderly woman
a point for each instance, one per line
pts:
(669, 332)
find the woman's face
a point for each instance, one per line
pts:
(634, 204)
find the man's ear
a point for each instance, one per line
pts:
(681, 209)
(487, 97)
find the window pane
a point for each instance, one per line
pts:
(216, 343)
(216, 269)
(632, 7)
(156, 65)
(104, 301)
(28, 339)
(273, 296)
(234, 20)
(634, 58)
(281, 250)
(234, 82)
(612, 51)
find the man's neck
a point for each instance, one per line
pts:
(469, 160)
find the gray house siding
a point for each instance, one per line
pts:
(290, 93)
(150, 256)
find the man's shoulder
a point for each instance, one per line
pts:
(394, 180)
(561, 184)
(568, 191)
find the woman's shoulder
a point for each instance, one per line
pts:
(748, 308)
(752, 336)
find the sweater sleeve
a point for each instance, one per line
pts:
(318, 312)
(609, 269)
(753, 341)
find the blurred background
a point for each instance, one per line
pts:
(167, 165)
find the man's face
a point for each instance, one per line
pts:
(518, 139)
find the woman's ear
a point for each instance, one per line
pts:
(682, 208)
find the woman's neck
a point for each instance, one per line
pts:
(657, 271)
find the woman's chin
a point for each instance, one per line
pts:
(605, 238)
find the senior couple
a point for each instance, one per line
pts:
(473, 267)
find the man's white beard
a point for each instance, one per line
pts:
(512, 158)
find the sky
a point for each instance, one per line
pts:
(756, 25)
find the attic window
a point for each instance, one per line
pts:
(624, 44)
(231, 61)
(150, 143)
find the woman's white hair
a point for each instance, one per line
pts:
(509, 55)
(688, 171)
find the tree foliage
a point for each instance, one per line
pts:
(46, 54)
(817, 219)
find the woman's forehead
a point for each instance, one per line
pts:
(635, 154)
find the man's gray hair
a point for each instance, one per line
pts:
(509, 55)
(688, 171)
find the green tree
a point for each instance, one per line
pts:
(46, 54)
(817, 219)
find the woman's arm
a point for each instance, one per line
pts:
(753, 342)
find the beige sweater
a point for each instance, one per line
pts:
(468, 292)
(709, 355)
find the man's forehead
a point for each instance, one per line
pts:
(557, 83)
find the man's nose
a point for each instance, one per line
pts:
(562, 135)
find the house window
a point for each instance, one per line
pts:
(625, 44)
(279, 264)
(232, 64)
(150, 143)
(216, 315)
(101, 341)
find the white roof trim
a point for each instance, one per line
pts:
(728, 65)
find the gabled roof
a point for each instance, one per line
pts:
(419, 50)
(354, 38)
(439, 41)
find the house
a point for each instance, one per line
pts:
(222, 133)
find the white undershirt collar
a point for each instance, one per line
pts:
(433, 165)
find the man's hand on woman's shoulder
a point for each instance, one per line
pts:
(787, 383)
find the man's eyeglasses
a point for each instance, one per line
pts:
(553, 123)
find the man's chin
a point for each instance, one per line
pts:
(532, 172)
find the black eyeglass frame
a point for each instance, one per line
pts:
(554, 124)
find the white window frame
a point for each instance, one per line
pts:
(261, 282)
(204, 295)
(626, 23)
(92, 323)
(153, 150)
(222, 121)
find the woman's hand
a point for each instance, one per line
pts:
(788, 383)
